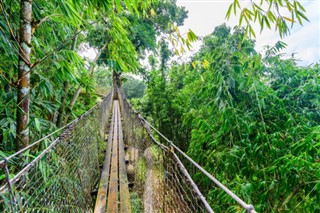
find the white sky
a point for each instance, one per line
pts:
(304, 41)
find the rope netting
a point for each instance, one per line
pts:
(160, 179)
(163, 175)
(59, 172)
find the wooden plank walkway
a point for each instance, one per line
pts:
(114, 181)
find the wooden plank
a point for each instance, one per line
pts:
(125, 205)
(101, 200)
(113, 184)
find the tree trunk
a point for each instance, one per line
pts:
(72, 103)
(63, 104)
(24, 68)
(66, 90)
(115, 79)
(7, 87)
(76, 95)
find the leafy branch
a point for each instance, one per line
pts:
(267, 13)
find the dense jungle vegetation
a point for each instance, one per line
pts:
(252, 120)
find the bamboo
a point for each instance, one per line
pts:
(24, 68)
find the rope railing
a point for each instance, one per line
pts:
(160, 178)
(47, 136)
(246, 206)
(58, 174)
(174, 154)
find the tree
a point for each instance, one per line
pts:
(24, 69)
(22, 47)
(133, 88)
(46, 30)
(163, 16)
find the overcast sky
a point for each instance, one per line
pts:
(304, 41)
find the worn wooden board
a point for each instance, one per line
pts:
(114, 179)
(113, 184)
(101, 200)
(125, 205)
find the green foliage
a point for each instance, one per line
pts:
(142, 33)
(251, 120)
(58, 69)
(136, 203)
(120, 54)
(268, 13)
(249, 128)
(141, 170)
(167, 12)
(102, 81)
(133, 88)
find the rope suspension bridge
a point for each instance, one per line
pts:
(110, 159)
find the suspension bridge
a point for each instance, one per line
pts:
(110, 159)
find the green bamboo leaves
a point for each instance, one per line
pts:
(251, 120)
(268, 13)
(54, 25)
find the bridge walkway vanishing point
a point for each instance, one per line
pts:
(61, 172)
(114, 173)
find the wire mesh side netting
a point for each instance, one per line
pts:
(161, 183)
(60, 174)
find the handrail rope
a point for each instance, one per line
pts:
(162, 146)
(35, 143)
(29, 165)
(42, 139)
(165, 148)
(12, 198)
(147, 126)
(194, 185)
(3, 188)
(248, 207)
(180, 164)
